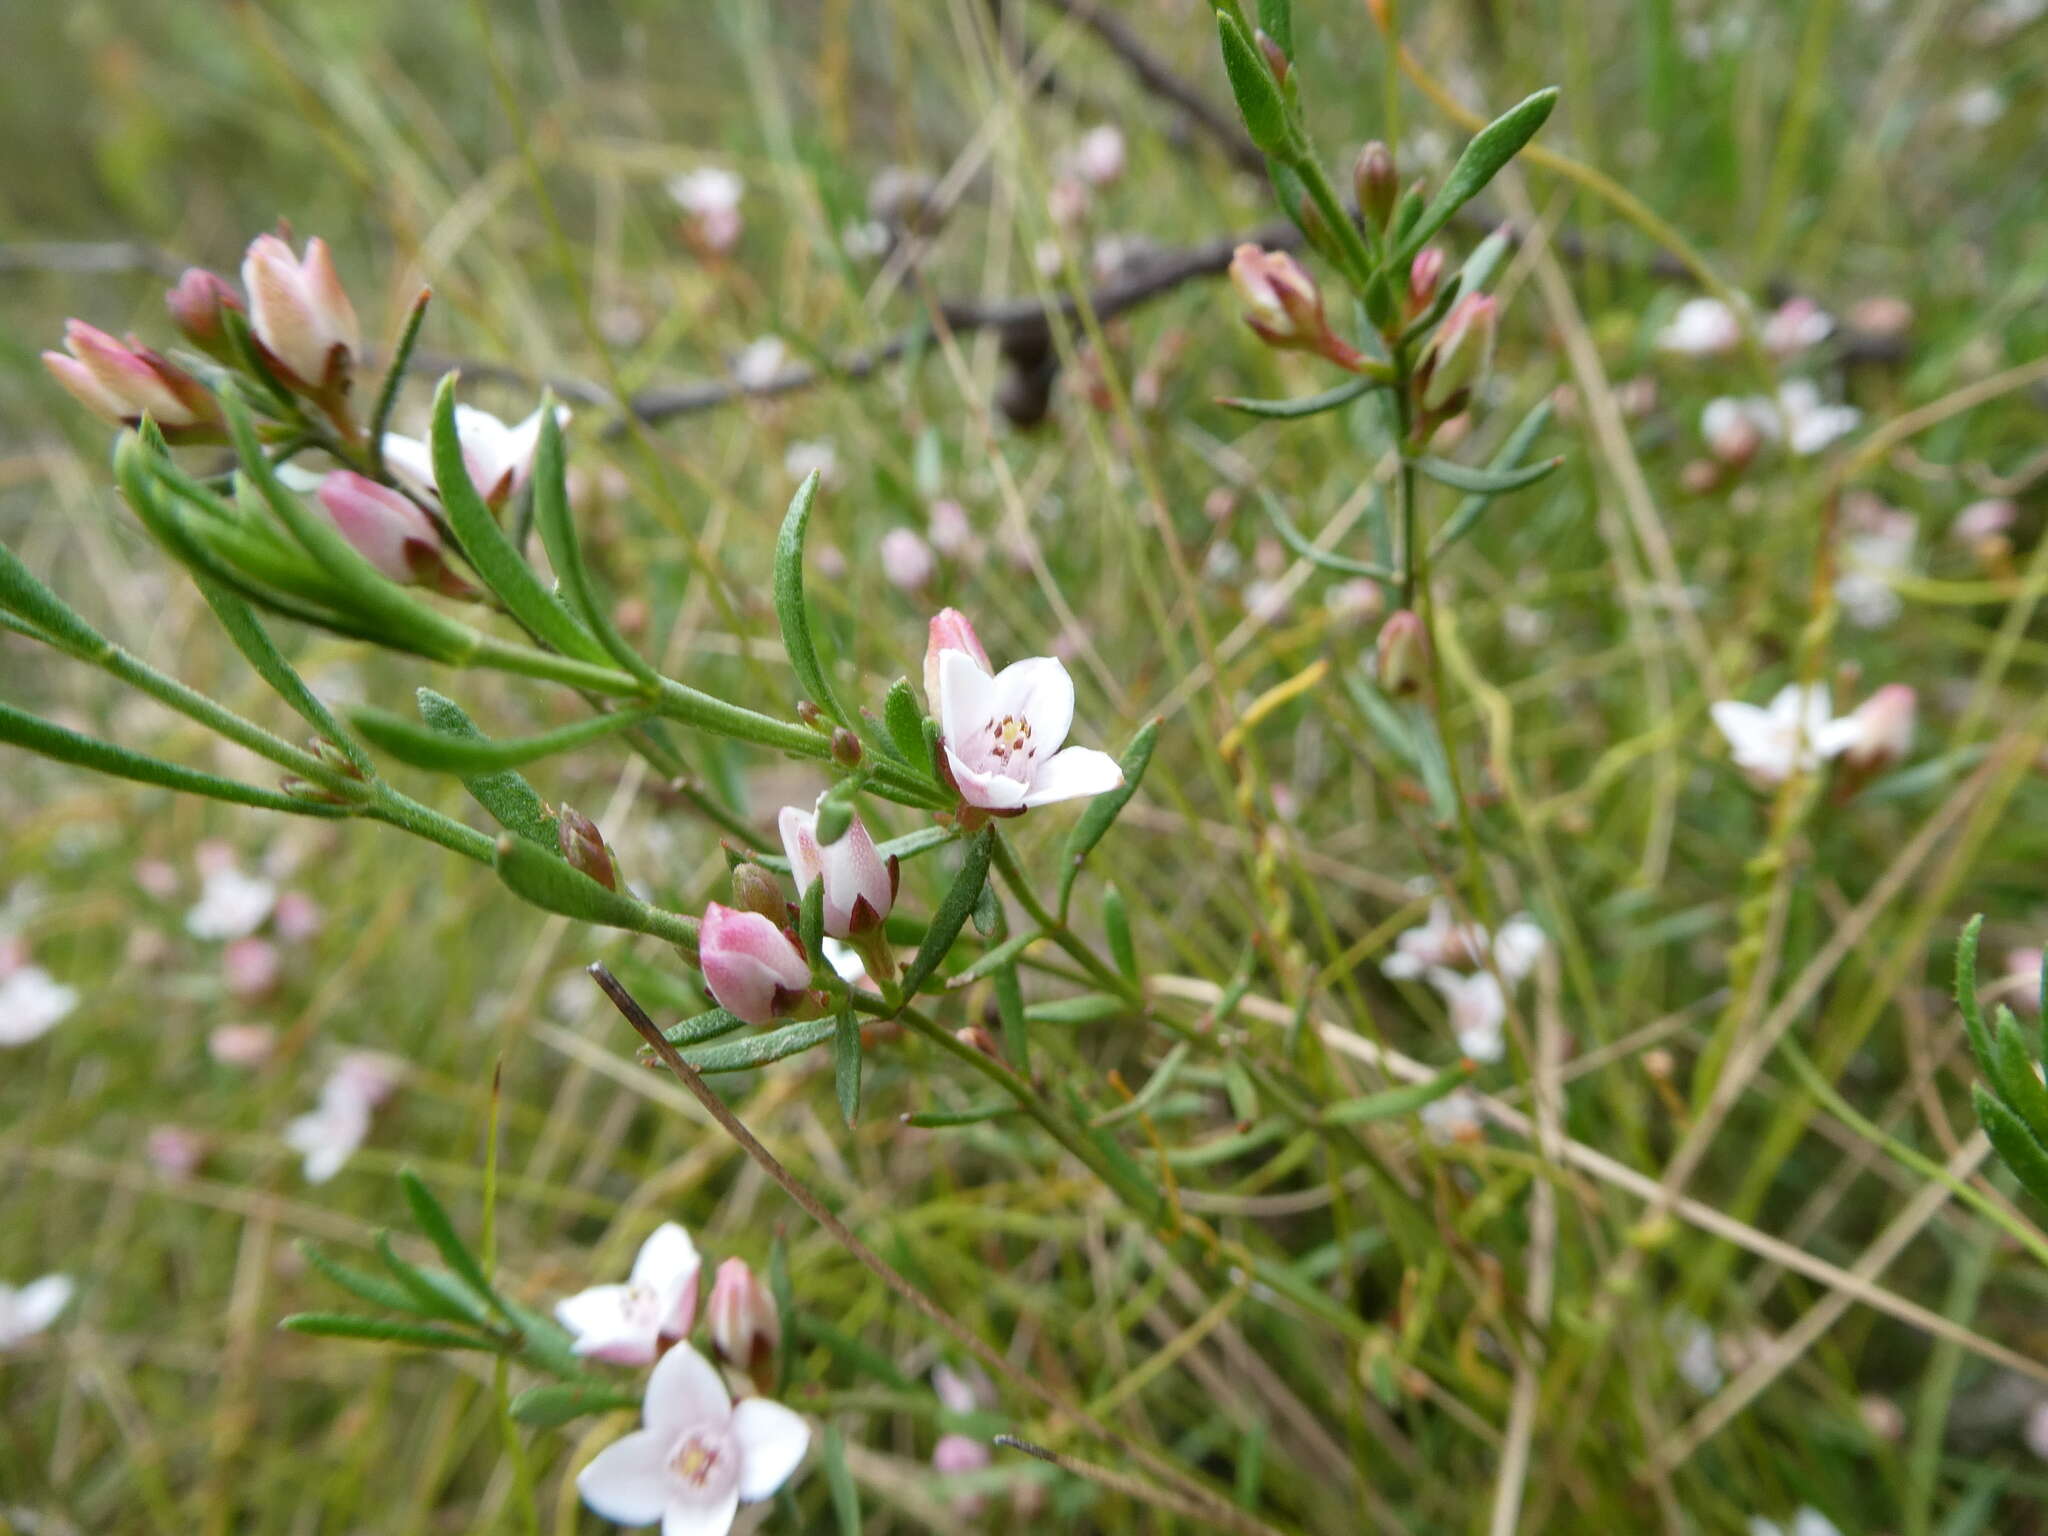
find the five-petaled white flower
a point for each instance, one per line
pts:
(697, 1457)
(26, 1312)
(1003, 735)
(32, 1003)
(1478, 1009)
(499, 457)
(625, 1324)
(231, 905)
(1787, 736)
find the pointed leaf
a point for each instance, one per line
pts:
(759, 1050)
(558, 537)
(377, 1330)
(557, 1403)
(846, 1063)
(508, 797)
(1966, 1000)
(1462, 521)
(845, 1497)
(2019, 1087)
(1299, 542)
(904, 721)
(953, 912)
(364, 1286)
(1257, 92)
(1491, 148)
(2015, 1144)
(1404, 1100)
(1483, 482)
(446, 1300)
(791, 607)
(538, 876)
(973, 1114)
(434, 1224)
(477, 755)
(705, 1026)
(1307, 405)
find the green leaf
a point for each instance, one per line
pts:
(705, 1026)
(364, 1286)
(557, 1403)
(903, 718)
(1009, 995)
(846, 1063)
(1088, 1008)
(1491, 148)
(508, 797)
(66, 746)
(256, 646)
(22, 593)
(1116, 925)
(1299, 542)
(1483, 482)
(759, 1050)
(791, 608)
(377, 1330)
(1307, 405)
(446, 1300)
(475, 754)
(845, 1497)
(2021, 1090)
(1103, 810)
(558, 537)
(1966, 1000)
(536, 875)
(2014, 1143)
(503, 569)
(1466, 517)
(973, 1114)
(434, 1224)
(1407, 213)
(1396, 1101)
(810, 921)
(953, 912)
(394, 376)
(1257, 92)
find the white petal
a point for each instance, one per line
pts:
(1037, 689)
(1748, 729)
(993, 791)
(685, 1389)
(772, 1442)
(967, 696)
(597, 1317)
(799, 844)
(1073, 773)
(712, 1519)
(37, 1304)
(667, 1256)
(628, 1482)
(409, 458)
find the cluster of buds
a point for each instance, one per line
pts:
(1284, 306)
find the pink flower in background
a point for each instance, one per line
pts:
(1003, 735)
(156, 878)
(1985, 519)
(753, 969)
(251, 968)
(1796, 325)
(241, 1045)
(299, 312)
(697, 1456)
(1877, 734)
(27, 1311)
(175, 1152)
(949, 530)
(627, 1324)
(330, 1134)
(860, 886)
(1098, 158)
(711, 195)
(298, 917)
(907, 560)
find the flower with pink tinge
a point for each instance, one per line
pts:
(907, 561)
(949, 631)
(1454, 1117)
(1771, 743)
(499, 457)
(1796, 325)
(1701, 328)
(753, 968)
(124, 383)
(746, 1325)
(1478, 1011)
(1815, 423)
(231, 905)
(329, 1135)
(27, 1311)
(697, 1457)
(628, 1324)
(13, 954)
(1098, 158)
(759, 361)
(298, 917)
(1735, 428)
(1357, 601)
(32, 1003)
(1283, 305)
(299, 313)
(156, 878)
(250, 968)
(2036, 1432)
(1066, 205)
(198, 307)
(860, 886)
(2021, 984)
(1985, 519)
(1460, 353)
(949, 530)
(710, 195)
(1003, 736)
(175, 1152)
(241, 1045)
(1876, 734)
(366, 1077)
(387, 528)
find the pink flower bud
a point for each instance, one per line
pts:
(1099, 158)
(299, 313)
(907, 561)
(754, 969)
(241, 1045)
(754, 889)
(1873, 737)
(584, 847)
(387, 529)
(1461, 351)
(1376, 183)
(198, 307)
(1403, 653)
(1282, 302)
(297, 917)
(250, 968)
(1424, 275)
(746, 1328)
(126, 383)
(860, 887)
(950, 631)
(176, 1152)
(950, 532)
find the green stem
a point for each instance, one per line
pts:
(1107, 976)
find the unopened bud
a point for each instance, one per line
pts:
(746, 1326)
(845, 748)
(1424, 274)
(1376, 183)
(1276, 59)
(584, 847)
(1461, 351)
(1403, 653)
(1283, 304)
(300, 314)
(754, 889)
(813, 717)
(198, 306)
(980, 1039)
(125, 381)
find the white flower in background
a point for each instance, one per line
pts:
(329, 1135)
(231, 905)
(711, 195)
(626, 1324)
(2036, 1432)
(1876, 734)
(1454, 1117)
(1478, 1009)
(759, 361)
(1099, 157)
(1734, 427)
(697, 1456)
(1813, 423)
(1003, 735)
(1696, 1352)
(1773, 742)
(499, 457)
(1985, 519)
(1807, 1522)
(908, 563)
(1701, 328)
(26, 1312)
(1442, 941)
(2021, 986)
(32, 1003)
(1796, 325)
(865, 239)
(1872, 555)
(1979, 107)
(817, 454)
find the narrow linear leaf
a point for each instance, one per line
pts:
(2009, 1135)
(434, 1224)
(1484, 261)
(1088, 1008)
(1307, 405)
(508, 797)
(22, 593)
(1296, 540)
(845, 1497)
(791, 607)
(476, 755)
(1396, 1101)
(565, 552)
(759, 1050)
(363, 1285)
(1490, 149)
(536, 875)
(1103, 810)
(953, 912)
(503, 569)
(974, 1114)
(996, 958)
(1483, 482)
(1009, 995)
(1468, 512)
(557, 1403)
(1966, 999)
(261, 652)
(705, 1026)
(846, 1063)
(2017, 1083)
(377, 1330)
(394, 375)
(1116, 926)
(433, 1300)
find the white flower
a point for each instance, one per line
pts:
(32, 1003)
(698, 1456)
(1813, 423)
(1697, 1351)
(818, 454)
(1796, 325)
(1701, 328)
(1518, 946)
(2036, 1431)
(1771, 744)
(709, 189)
(760, 360)
(231, 905)
(625, 1324)
(1099, 158)
(1003, 735)
(1439, 942)
(1478, 1010)
(1980, 106)
(329, 1135)
(1807, 1522)
(1734, 427)
(499, 458)
(1454, 1117)
(26, 1312)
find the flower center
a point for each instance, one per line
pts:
(1009, 739)
(705, 1461)
(695, 1460)
(641, 1305)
